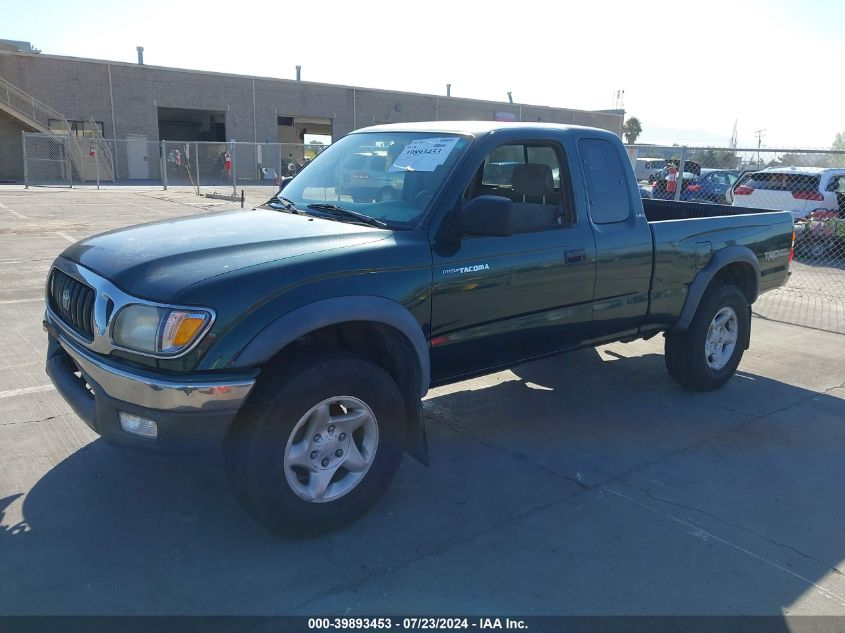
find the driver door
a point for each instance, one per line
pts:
(498, 300)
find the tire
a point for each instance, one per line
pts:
(818, 250)
(687, 358)
(264, 463)
(387, 194)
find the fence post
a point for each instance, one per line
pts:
(679, 180)
(25, 169)
(197, 163)
(97, 163)
(69, 162)
(163, 164)
(234, 175)
(113, 160)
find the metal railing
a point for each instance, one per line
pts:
(24, 104)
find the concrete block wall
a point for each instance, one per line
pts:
(79, 88)
(11, 148)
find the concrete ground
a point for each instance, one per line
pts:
(584, 484)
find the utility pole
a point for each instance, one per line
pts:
(759, 135)
(619, 100)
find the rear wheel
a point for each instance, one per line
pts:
(706, 355)
(387, 194)
(317, 445)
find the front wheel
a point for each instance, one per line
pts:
(706, 355)
(317, 445)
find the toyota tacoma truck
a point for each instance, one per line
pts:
(301, 336)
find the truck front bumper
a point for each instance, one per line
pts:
(192, 413)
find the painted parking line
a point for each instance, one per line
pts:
(20, 216)
(70, 239)
(5, 302)
(25, 390)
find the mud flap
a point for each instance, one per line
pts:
(417, 440)
(748, 333)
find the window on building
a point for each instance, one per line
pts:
(79, 129)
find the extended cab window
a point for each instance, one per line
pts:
(530, 175)
(604, 175)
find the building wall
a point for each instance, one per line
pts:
(80, 88)
(11, 148)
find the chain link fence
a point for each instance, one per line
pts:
(810, 184)
(53, 160)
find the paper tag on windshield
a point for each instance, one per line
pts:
(425, 154)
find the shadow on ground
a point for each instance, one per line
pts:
(549, 492)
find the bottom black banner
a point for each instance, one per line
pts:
(534, 624)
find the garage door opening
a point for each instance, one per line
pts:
(295, 129)
(182, 124)
(315, 132)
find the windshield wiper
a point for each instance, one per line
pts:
(285, 204)
(333, 209)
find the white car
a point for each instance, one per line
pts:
(799, 190)
(365, 177)
(647, 169)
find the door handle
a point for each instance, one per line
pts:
(575, 255)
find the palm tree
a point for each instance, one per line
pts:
(632, 129)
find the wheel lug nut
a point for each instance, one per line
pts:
(331, 428)
(325, 462)
(342, 437)
(338, 453)
(318, 438)
(314, 454)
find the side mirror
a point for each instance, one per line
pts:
(490, 216)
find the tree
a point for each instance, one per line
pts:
(839, 142)
(716, 158)
(632, 129)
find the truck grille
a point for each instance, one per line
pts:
(73, 302)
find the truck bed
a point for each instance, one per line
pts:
(661, 210)
(684, 246)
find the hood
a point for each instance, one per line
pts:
(155, 261)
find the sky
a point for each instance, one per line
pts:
(689, 70)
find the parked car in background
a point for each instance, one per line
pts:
(662, 190)
(821, 234)
(712, 185)
(365, 178)
(743, 177)
(648, 168)
(799, 190)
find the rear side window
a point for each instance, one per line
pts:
(784, 182)
(604, 175)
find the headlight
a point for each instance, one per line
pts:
(158, 331)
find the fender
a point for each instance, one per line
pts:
(333, 311)
(718, 261)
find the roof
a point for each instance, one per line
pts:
(710, 170)
(473, 128)
(801, 170)
(141, 67)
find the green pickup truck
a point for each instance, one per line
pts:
(302, 336)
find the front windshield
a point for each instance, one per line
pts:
(390, 176)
